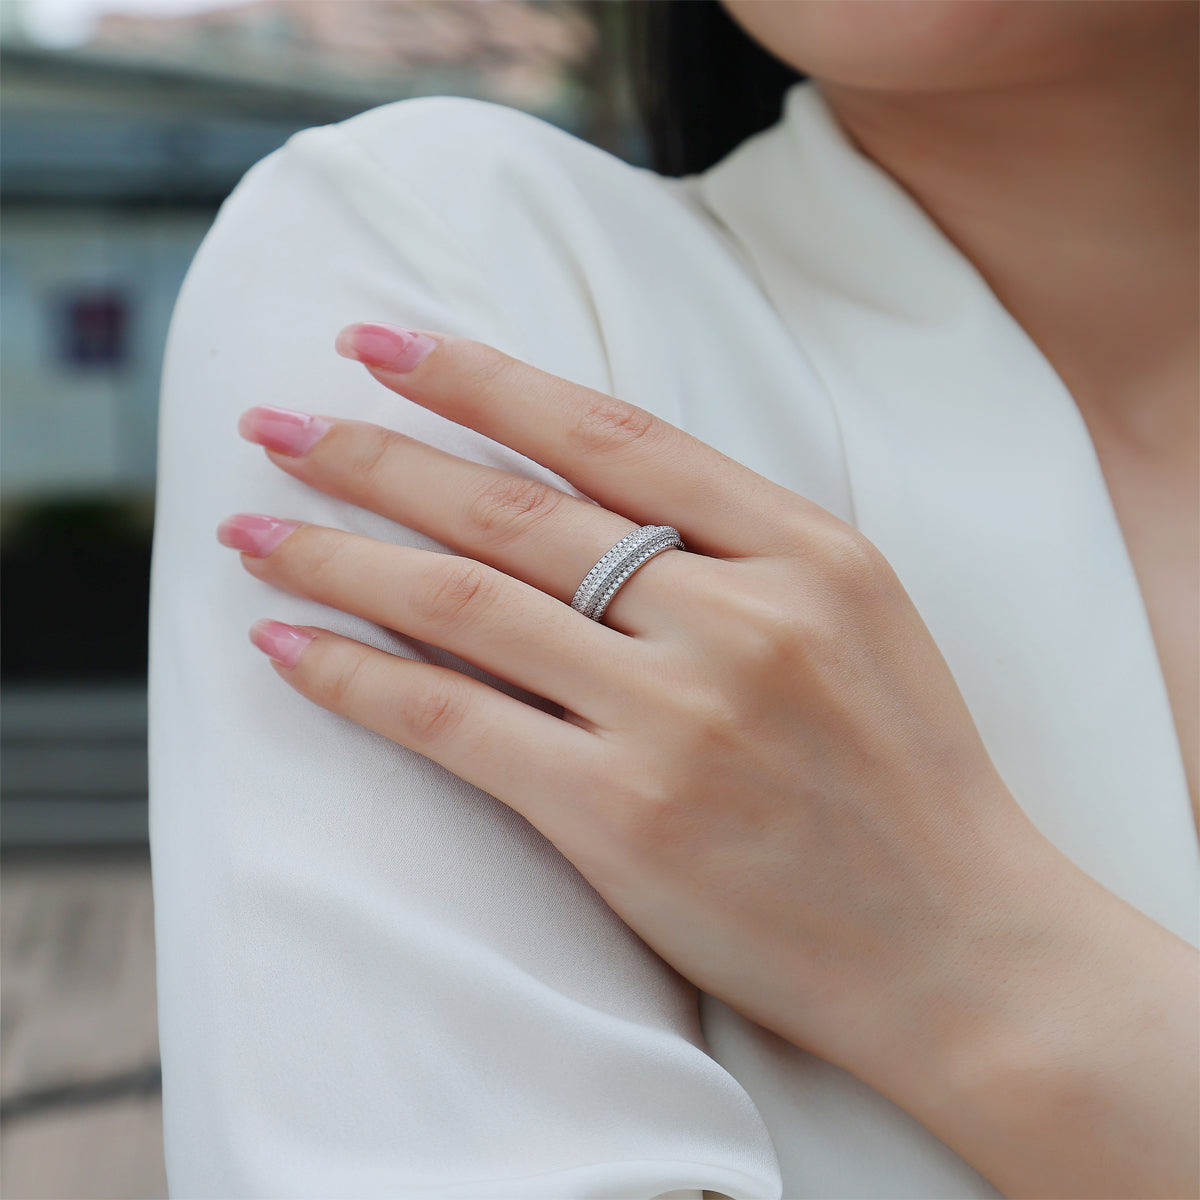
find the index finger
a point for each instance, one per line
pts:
(620, 455)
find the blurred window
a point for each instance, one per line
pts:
(92, 329)
(123, 126)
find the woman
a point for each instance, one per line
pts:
(848, 851)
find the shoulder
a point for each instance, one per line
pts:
(472, 217)
(439, 178)
(435, 213)
(428, 131)
(479, 166)
(480, 220)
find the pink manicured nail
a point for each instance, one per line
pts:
(254, 533)
(282, 429)
(386, 346)
(284, 643)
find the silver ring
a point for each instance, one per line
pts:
(604, 580)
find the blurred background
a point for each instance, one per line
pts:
(123, 125)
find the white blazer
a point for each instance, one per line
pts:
(376, 980)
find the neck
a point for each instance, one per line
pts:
(1078, 204)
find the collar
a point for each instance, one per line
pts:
(972, 470)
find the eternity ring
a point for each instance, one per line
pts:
(604, 580)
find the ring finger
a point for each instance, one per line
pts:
(524, 527)
(501, 624)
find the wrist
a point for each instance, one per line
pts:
(1060, 1058)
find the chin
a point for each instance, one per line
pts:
(949, 45)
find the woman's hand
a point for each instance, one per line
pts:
(764, 764)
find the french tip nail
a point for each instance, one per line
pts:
(345, 341)
(279, 641)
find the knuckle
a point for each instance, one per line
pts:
(797, 527)
(767, 633)
(372, 449)
(453, 591)
(484, 367)
(321, 552)
(507, 506)
(776, 645)
(855, 567)
(706, 713)
(342, 677)
(655, 820)
(607, 424)
(757, 617)
(434, 715)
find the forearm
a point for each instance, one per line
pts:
(1068, 1064)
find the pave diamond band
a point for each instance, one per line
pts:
(604, 580)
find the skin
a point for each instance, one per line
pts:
(1055, 144)
(1054, 141)
(750, 790)
(773, 777)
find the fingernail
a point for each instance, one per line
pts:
(254, 533)
(282, 429)
(386, 346)
(283, 643)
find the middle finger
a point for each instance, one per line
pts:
(524, 527)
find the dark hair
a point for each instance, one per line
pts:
(700, 83)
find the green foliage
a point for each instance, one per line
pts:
(76, 520)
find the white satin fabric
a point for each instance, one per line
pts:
(376, 980)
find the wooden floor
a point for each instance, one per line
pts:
(79, 1084)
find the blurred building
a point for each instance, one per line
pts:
(115, 154)
(114, 158)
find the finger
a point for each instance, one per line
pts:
(523, 527)
(528, 759)
(626, 458)
(507, 627)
